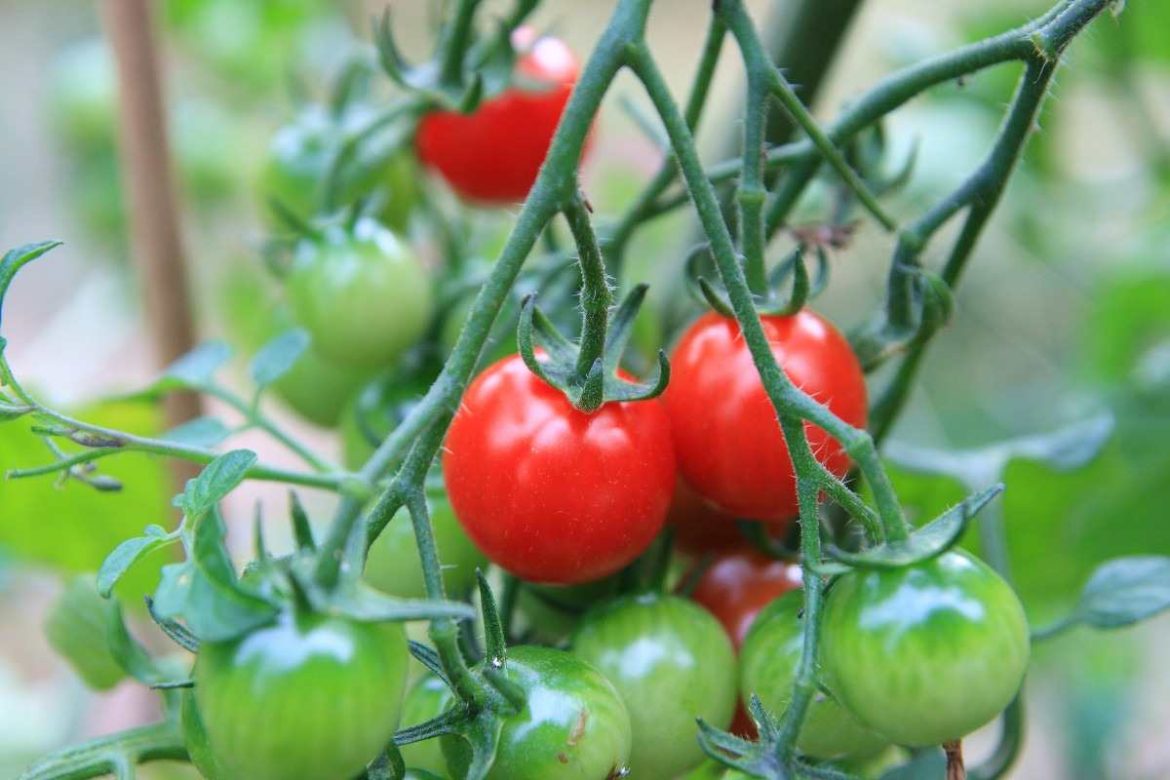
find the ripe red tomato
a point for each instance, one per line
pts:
(494, 154)
(739, 584)
(729, 445)
(548, 492)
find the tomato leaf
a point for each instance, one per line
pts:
(218, 478)
(195, 369)
(362, 603)
(14, 260)
(129, 654)
(200, 432)
(278, 356)
(931, 540)
(1125, 591)
(118, 562)
(204, 589)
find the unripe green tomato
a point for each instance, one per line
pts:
(768, 662)
(364, 298)
(671, 662)
(310, 696)
(376, 411)
(393, 565)
(573, 725)
(77, 627)
(427, 699)
(928, 653)
(318, 389)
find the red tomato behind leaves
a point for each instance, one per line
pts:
(494, 154)
(699, 528)
(548, 492)
(738, 584)
(729, 445)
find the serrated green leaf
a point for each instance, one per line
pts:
(278, 356)
(1125, 591)
(200, 432)
(125, 555)
(927, 542)
(218, 478)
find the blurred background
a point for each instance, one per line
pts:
(1064, 316)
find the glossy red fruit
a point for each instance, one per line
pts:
(739, 584)
(729, 445)
(493, 155)
(548, 492)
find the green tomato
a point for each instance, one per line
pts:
(364, 297)
(928, 653)
(77, 627)
(768, 661)
(393, 565)
(573, 726)
(311, 697)
(429, 697)
(377, 410)
(671, 662)
(320, 390)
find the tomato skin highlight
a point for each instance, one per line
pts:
(739, 584)
(671, 662)
(573, 726)
(310, 697)
(768, 663)
(729, 445)
(928, 653)
(493, 155)
(548, 492)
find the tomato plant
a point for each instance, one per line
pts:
(525, 471)
(730, 450)
(573, 723)
(564, 460)
(493, 154)
(671, 663)
(928, 653)
(311, 697)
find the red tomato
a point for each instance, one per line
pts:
(548, 492)
(699, 528)
(729, 445)
(494, 154)
(739, 584)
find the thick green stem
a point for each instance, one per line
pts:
(596, 295)
(109, 755)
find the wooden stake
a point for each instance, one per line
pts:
(152, 203)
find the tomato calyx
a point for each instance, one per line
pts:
(763, 758)
(466, 66)
(558, 361)
(768, 299)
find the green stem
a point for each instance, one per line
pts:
(111, 754)
(751, 193)
(596, 295)
(257, 419)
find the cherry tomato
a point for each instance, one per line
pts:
(311, 697)
(730, 447)
(768, 661)
(574, 725)
(393, 565)
(363, 296)
(671, 662)
(427, 699)
(700, 528)
(924, 654)
(548, 492)
(494, 154)
(739, 584)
